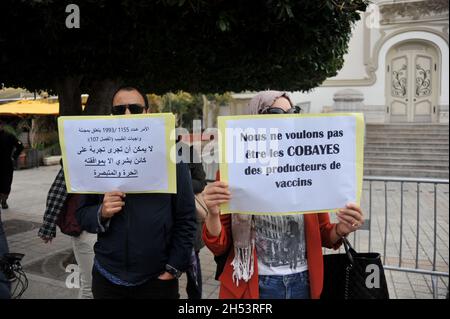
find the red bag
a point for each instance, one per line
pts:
(67, 221)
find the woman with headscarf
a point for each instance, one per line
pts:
(272, 257)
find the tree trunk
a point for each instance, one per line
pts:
(44, 131)
(69, 95)
(100, 96)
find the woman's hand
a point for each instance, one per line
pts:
(350, 219)
(215, 194)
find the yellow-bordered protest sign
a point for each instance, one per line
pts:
(130, 153)
(291, 163)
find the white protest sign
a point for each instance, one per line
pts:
(129, 153)
(284, 164)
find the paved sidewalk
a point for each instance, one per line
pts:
(45, 263)
(27, 205)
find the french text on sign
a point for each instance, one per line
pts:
(308, 163)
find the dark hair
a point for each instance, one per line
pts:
(128, 89)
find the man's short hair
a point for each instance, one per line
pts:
(129, 88)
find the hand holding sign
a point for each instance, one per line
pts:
(350, 218)
(214, 195)
(130, 153)
(112, 204)
(309, 163)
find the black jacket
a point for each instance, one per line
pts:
(151, 231)
(10, 148)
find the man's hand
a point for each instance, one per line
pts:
(166, 276)
(112, 204)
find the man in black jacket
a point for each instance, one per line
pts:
(194, 273)
(144, 240)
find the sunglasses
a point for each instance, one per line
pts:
(277, 110)
(133, 108)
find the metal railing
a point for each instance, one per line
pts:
(379, 212)
(396, 261)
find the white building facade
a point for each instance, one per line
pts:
(396, 69)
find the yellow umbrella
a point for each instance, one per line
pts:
(24, 107)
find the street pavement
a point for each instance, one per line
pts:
(45, 264)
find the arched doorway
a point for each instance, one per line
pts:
(412, 82)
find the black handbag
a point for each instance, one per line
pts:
(354, 275)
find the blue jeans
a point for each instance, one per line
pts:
(295, 286)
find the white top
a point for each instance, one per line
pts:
(280, 245)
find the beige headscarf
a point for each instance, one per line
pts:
(242, 226)
(265, 99)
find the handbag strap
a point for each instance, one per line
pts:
(349, 251)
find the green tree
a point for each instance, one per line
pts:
(170, 45)
(178, 104)
(188, 107)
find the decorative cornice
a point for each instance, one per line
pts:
(413, 10)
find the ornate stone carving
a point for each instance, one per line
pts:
(390, 12)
